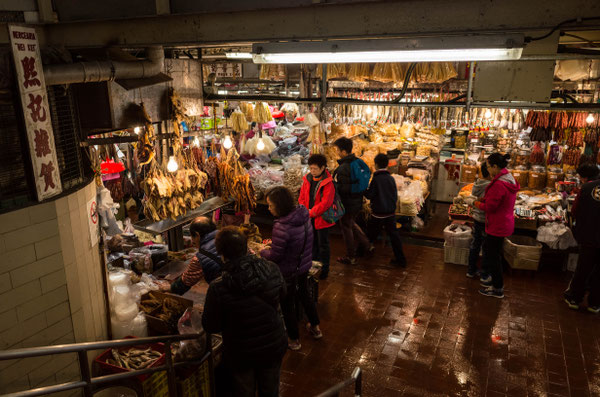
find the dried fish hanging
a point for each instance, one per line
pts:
(179, 113)
(145, 146)
(171, 194)
(235, 181)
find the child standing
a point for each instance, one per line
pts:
(478, 227)
(383, 195)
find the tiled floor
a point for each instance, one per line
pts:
(425, 331)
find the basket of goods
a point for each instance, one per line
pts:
(131, 358)
(163, 311)
(468, 173)
(459, 212)
(537, 177)
(553, 176)
(457, 235)
(521, 175)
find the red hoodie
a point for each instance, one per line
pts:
(499, 204)
(323, 200)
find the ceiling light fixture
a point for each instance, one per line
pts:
(426, 49)
(590, 118)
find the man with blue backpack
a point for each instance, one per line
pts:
(351, 180)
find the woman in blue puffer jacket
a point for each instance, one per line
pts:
(291, 250)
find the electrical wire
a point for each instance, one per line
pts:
(409, 73)
(590, 42)
(567, 22)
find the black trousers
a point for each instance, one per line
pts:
(389, 225)
(321, 249)
(587, 275)
(492, 259)
(259, 380)
(298, 295)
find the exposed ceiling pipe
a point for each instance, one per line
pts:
(95, 71)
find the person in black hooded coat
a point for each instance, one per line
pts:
(243, 304)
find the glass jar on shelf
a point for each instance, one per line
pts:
(522, 158)
(521, 175)
(555, 175)
(537, 177)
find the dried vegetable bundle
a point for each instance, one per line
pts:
(387, 72)
(238, 121)
(171, 194)
(272, 72)
(359, 72)
(334, 71)
(248, 109)
(262, 114)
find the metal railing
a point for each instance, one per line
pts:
(91, 384)
(355, 378)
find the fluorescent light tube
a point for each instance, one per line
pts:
(468, 54)
(423, 49)
(238, 55)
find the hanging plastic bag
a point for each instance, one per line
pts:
(191, 323)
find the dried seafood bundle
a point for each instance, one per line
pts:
(359, 72)
(173, 194)
(234, 181)
(272, 72)
(334, 71)
(133, 359)
(144, 147)
(169, 310)
(179, 112)
(248, 109)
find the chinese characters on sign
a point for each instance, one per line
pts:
(224, 70)
(32, 87)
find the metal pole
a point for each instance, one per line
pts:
(170, 370)
(201, 79)
(358, 384)
(470, 86)
(84, 367)
(323, 88)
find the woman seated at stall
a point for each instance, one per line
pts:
(206, 262)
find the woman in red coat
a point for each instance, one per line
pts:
(499, 206)
(317, 195)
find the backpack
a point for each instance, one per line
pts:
(361, 175)
(336, 211)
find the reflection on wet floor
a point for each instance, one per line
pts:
(425, 331)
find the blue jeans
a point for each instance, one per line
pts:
(476, 244)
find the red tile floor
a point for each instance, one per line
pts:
(425, 331)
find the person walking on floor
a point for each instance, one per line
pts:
(351, 180)
(498, 204)
(383, 194)
(478, 228)
(291, 250)
(243, 304)
(587, 233)
(317, 195)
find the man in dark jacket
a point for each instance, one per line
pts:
(243, 304)
(352, 204)
(587, 233)
(383, 194)
(205, 263)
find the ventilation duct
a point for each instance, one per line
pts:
(97, 71)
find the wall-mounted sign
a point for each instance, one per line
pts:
(223, 70)
(30, 79)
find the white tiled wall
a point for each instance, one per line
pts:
(51, 288)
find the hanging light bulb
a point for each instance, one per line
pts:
(172, 165)
(196, 142)
(590, 118)
(260, 145)
(227, 143)
(488, 114)
(137, 130)
(369, 110)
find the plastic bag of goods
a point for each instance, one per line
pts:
(407, 130)
(457, 235)
(468, 173)
(293, 174)
(408, 204)
(191, 323)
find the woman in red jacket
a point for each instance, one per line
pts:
(317, 195)
(498, 204)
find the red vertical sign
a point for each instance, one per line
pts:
(30, 79)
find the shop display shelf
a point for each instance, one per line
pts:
(149, 226)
